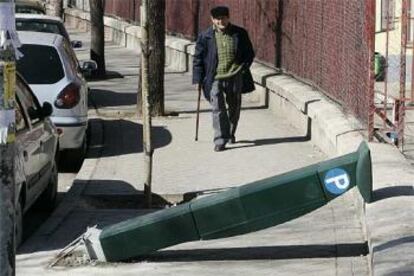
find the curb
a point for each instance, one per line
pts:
(68, 203)
(114, 112)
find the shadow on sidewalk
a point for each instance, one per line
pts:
(115, 194)
(108, 76)
(393, 191)
(100, 202)
(106, 98)
(270, 141)
(209, 110)
(260, 253)
(394, 243)
(124, 137)
(34, 218)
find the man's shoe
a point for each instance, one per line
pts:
(232, 140)
(219, 148)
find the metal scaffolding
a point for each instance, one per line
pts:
(391, 123)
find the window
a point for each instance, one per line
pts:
(25, 9)
(40, 64)
(29, 102)
(41, 25)
(70, 57)
(20, 122)
(37, 26)
(410, 36)
(32, 6)
(387, 12)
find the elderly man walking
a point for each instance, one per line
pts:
(222, 59)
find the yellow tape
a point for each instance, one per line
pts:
(9, 84)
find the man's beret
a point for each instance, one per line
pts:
(219, 11)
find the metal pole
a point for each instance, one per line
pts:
(387, 39)
(198, 112)
(7, 136)
(411, 21)
(370, 14)
(403, 73)
(146, 115)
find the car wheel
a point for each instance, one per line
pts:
(18, 224)
(71, 159)
(47, 199)
(78, 155)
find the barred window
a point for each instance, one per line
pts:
(387, 12)
(410, 22)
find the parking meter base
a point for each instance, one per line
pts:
(93, 245)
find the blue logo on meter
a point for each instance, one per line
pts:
(337, 181)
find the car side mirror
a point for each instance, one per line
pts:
(33, 113)
(47, 109)
(76, 44)
(88, 67)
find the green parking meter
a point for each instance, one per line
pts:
(240, 210)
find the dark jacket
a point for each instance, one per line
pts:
(205, 58)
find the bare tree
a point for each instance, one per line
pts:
(156, 30)
(98, 35)
(55, 8)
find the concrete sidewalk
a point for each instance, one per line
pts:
(108, 189)
(388, 219)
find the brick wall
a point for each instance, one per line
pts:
(325, 42)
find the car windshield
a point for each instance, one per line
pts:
(40, 64)
(36, 26)
(40, 26)
(28, 9)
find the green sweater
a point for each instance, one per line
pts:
(226, 67)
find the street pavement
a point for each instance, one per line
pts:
(109, 187)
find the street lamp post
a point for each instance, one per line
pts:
(8, 41)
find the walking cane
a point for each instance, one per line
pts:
(198, 112)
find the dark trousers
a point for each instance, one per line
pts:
(225, 119)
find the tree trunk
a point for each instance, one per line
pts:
(55, 8)
(98, 36)
(146, 110)
(156, 20)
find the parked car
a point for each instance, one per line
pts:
(36, 153)
(30, 6)
(53, 72)
(45, 24)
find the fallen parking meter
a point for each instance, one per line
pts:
(240, 210)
